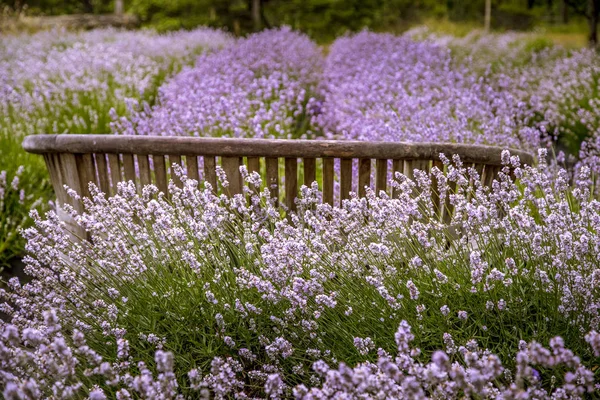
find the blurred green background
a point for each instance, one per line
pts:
(567, 20)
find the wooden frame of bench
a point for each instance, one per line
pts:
(75, 160)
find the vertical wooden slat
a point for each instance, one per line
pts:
(273, 177)
(408, 168)
(380, 176)
(435, 193)
(70, 174)
(421, 165)
(253, 164)
(86, 172)
(328, 180)
(448, 210)
(144, 169)
(310, 171)
(115, 171)
(160, 173)
(291, 182)
(345, 178)
(67, 164)
(175, 159)
(192, 167)
(53, 165)
(210, 172)
(479, 169)
(364, 175)
(103, 179)
(231, 166)
(397, 166)
(129, 167)
(490, 173)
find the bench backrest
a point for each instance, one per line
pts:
(75, 160)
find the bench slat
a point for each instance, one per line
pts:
(345, 178)
(328, 180)
(231, 166)
(160, 173)
(69, 171)
(381, 176)
(310, 171)
(397, 166)
(273, 177)
(86, 172)
(435, 194)
(103, 176)
(192, 167)
(144, 169)
(253, 165)
(291, 182)
(175, 159)
(53, 165)
(129, 167)
(115, 171)
(210, 172)
(364, 175)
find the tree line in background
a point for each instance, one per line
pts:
(323, 19)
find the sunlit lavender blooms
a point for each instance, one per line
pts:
(257, 87)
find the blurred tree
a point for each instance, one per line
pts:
(56, 7)
(322, 19)
(590, 9)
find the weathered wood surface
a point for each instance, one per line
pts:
(226, 147)
(337, 166)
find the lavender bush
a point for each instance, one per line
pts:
(225, 297)
(64, 82)
(385, 87)
(56, 82)
(257, 87)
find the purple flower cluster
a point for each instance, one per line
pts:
(480, 375)
(262, 301)
(385, 87)
(55, 82)
(258, 87)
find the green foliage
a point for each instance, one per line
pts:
(56, 7)
(186, 14)
(32, 191)
(510, 16)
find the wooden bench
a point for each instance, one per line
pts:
(76, 160)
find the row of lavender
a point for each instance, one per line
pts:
(206, 296)
(380, 87)
(65, 82)
(211, 297)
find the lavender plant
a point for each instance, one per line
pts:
(225, 297)
(258, 87)
(385, 87)
(64, 82)
(67, 83)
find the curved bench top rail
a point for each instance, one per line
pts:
(284, 148)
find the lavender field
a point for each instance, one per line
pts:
(206, 296)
